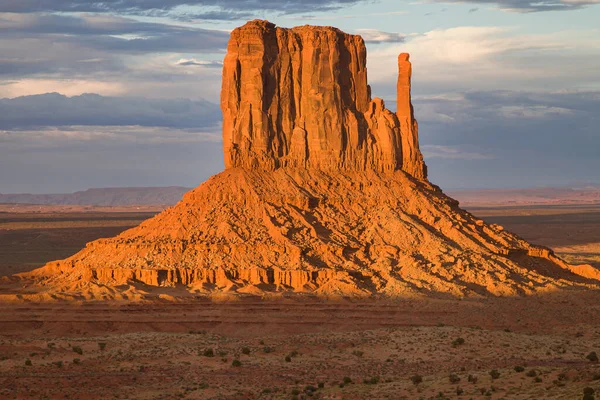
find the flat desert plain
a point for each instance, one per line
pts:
(539, 347)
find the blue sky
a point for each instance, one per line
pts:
(126, 92)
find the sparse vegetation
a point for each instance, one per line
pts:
(77, 350)
(458, 342)
(519, 368)
(494, 374)
(593, 357)
(236, 363)
(208, 352)
(28, 363)
(416, 379)
(588, 393)
(245, 350)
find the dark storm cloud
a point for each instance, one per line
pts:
(223, 9)
(53, 109)
(525, 6)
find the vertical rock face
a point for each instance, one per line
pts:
(412, 159)
(299, 98)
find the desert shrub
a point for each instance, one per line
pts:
(59, 364)
(371, 381)
(288, 359)
(459, 391)
(208, 352)
(267, 349)
(310, 389)
(458, 342)
(537, 379)
(519, 368)
(472, 379)
(101, 346)
(358, 353)
(245, 350)
(562, 376)
(294, 353)
(588, 393)
(321, 385)
(236, 363)
(593, 357)
(531, 373)
(347, 380)
(416, 379)
(51, 345)
(77, 350)
(494, 374)
(295, 392)
(203, 385)
(454, 378)
(222, 353)
(596, 377)
(76, 361)
(28, 363)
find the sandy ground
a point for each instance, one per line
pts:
(282, 350)
(299, 347)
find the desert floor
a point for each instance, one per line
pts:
(504, 348)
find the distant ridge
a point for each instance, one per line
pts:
(528, 196)
(125, 196)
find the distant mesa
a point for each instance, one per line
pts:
(325, 192)
(108, 197)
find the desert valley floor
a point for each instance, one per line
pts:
(539, 347)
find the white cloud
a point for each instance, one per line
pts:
(465, 58)
(376, 36)
(452, 152)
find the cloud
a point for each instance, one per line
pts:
(221, 9)
(485, 58)
(510, 138)
(528, 6)
(375, 36)
(109, 33)
(104, 54)
(200, 63)
(55, 110)
(452, 152)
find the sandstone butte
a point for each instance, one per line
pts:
(325, 192)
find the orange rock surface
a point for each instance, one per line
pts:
(325, 192)
(299, 98)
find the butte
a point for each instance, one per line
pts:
(325, 192)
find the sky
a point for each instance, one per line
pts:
(125, 92)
